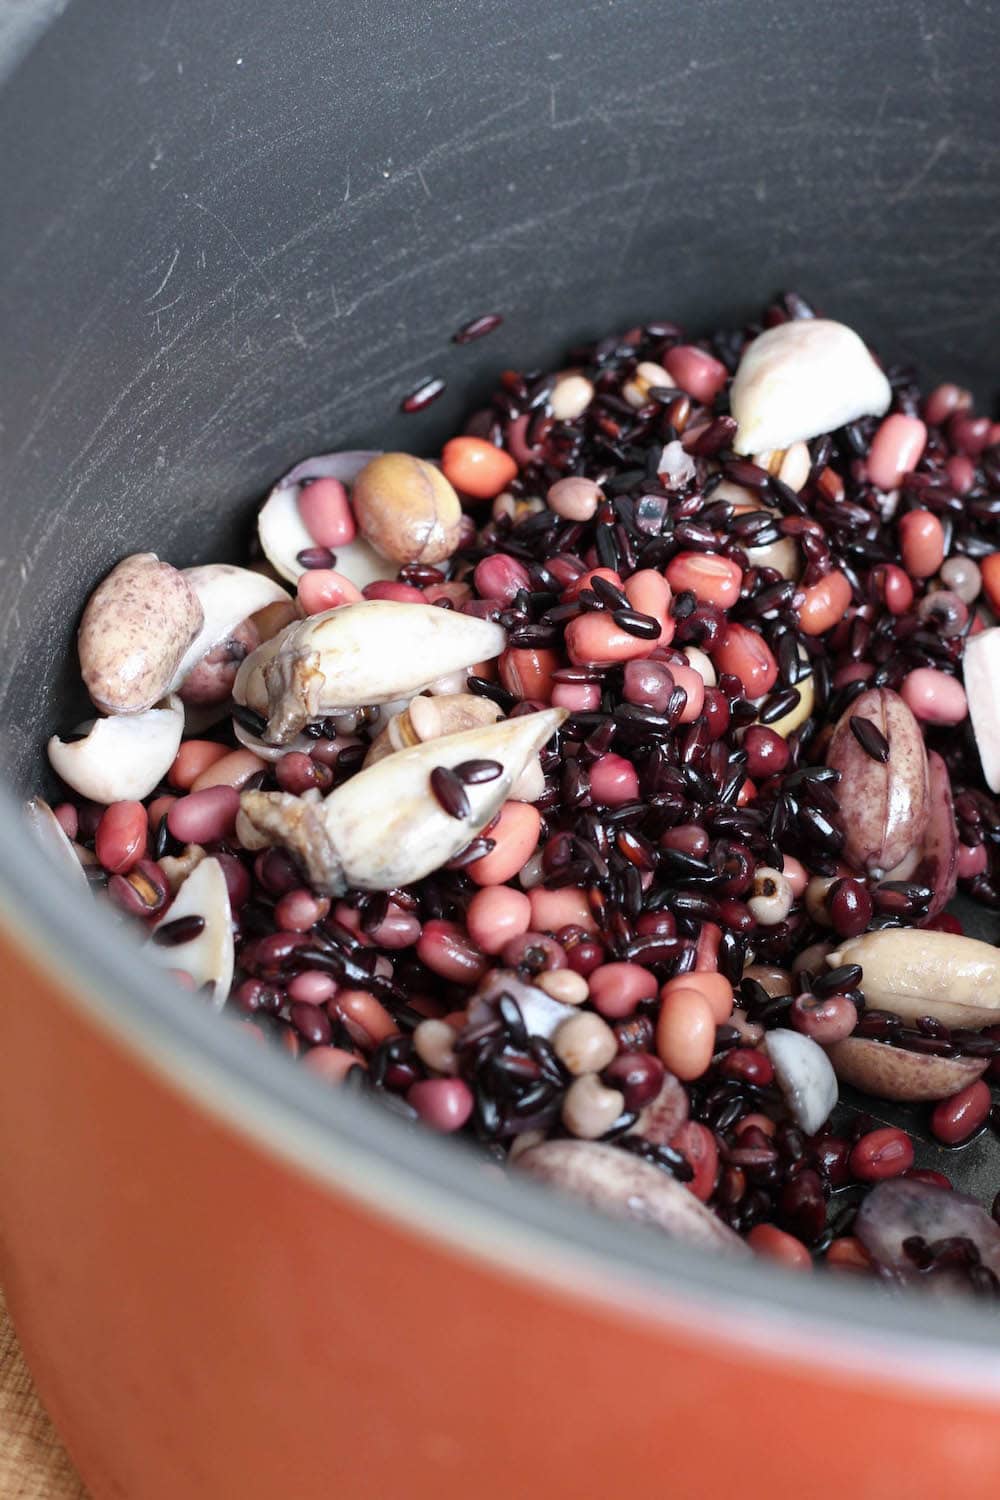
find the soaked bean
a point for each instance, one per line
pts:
(990, 572)
(823, 604)
(711, 578)
(693, 685)
(921, 540)
(527, 672)
(771, 897)
(575, 499)
(617, 988)
(234, 769)
(775, 1244)
(122, 836)
(934, 697)
(299, 910)
(848, 1254)
(685, 1033)
(954, 1120)
(447, 950)
(500, 577)
(881, 1154)
(192, 759)
(896, 449)
(594, 637)
(495, 915)
(589, 1109)
(747, 656)
(312, 987)
(326, 513)
(321, 589)
(444, 1104)
(565, 985)
(649, 592)
(553, 910)
(477, 468)
(366, 1018)
(584, 1043)
(515, 835)
(826, 1020)
(613, 781)
(699, 374)
(715, 989)
(962, 576)
(205, 817)
(748, 1066)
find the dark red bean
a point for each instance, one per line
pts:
(880, 1154)
(954, 1120)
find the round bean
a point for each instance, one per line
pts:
(613, 781)
(824, 603)
(515, 835)
(578, 697)
(747, 1065)
(747, 656)
(584, 1043)
(204, 817)
(583, 580)
(934, 697)
(594, 637)
(575, 499)
(495, 915)
(299, 910)
(312, 987)
(825, 1020)
(571, 395)
(962, 576)
(685, 1034)
(553, 910)
(989, 568)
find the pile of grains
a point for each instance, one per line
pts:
(599, 791)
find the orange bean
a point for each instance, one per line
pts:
(773, 1243)
(824, 603)
(526, 671)
(848, 1254)
(711, 578)
(193, 757)
(685, 1034)
(234, 769)
(515, 834)
(553, 910)
(748, 656)
(650, 593)
(476, 467)
(921, 541)
(584, 581)
(715, 989)
(594, 637)
(366, 1018)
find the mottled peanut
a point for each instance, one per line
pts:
(135, 629)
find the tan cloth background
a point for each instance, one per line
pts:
(33, 1463)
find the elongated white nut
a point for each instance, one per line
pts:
(121, 758)
(915, 972)
(135, 630)
(893, 1073)
(228, 595)
(52, 836)
(209, 956)
(805, 1076)
(370, 652)
(981, 671)
(384, 827)
(280, 528)
(620, 1184)
(800, 379)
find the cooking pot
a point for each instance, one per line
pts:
(234, 234)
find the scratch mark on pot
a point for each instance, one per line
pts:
(170, 272)
(423, 182)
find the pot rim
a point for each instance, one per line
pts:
(432, 1187)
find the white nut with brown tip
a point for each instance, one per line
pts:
(407, 509)
(136, 629)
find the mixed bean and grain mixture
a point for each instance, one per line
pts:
(598, 790)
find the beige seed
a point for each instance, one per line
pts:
(571, 395)
(565, 985)
(434, 1042)
(815, 898)
(589, 1109)
(771, 897)
(585, 1043)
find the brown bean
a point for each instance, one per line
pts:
(407, 509)
(884, 807)
(893, 1073)
(135, 629)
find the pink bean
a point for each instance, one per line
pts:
(970, 435)
(575, 499)
(699, 374)
(747, 656)
(551, 911)
(594, 637)
(617, 988)
(515, 834)
(299, 910)
(500, 577)
(399, 593)
(613, 781)
(326, 513)
(934, 697)
(312, 987)
(972, 860)
(855, 671)
(397, 929)
(711, 578)
(322, 588)
(650, 593)
(122, 833)
(456, 593)
(796, 874)
(897, 590)
(495, 915)
(442, 1103)
(961, 472)
(578, 697)
(583, 581)
(896, 450)
(447, 950)
(68, 818)
(694, 686)
(332, 1064)
(204, 817)
(234, 769)
(944, 401)
(192, 759)
(921, 541)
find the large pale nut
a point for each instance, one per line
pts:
(801, 379)
(51, 835)
(805, 1076)
(893, 1073)
(407, 509)
(121, 758)
(894, 1212)
(135, 630)
(884, 808)
(917, 972)
(617, 1183)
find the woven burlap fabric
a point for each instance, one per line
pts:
(33, 1462)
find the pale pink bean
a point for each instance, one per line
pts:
(500, 577)
(515, 835)
(496, 914)
(551, 911)
(578, 697)
(575, 499)
(312, 987)
(693, 684)
(650, 593)
(613, 781)
(399, 593)
(921, 540)
(234, 769)
(398, 928)
(796, 874)
(447, 950)
(617, 988)
(896, 450)
(68, 818)
(299, 910)
(972, 860)
(699, 374)
(934, 697)
(326, 513)
(204, 817)
(322, 588)
(442, 1103)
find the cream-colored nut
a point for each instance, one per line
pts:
(589, 1109)
(407, 509)
(177, 867)
(702, 665)
(571, 395)
(585, 1043)
(565, 985)
(647, 375)
(789, 722)
(915, 972)
(136, 627)
(434, 1043)
(816, 893)
(770, 898)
